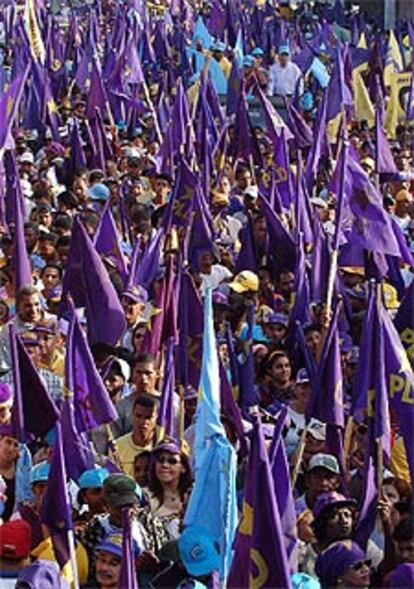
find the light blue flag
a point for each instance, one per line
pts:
(320, 72)
(213, 501)
(217, 77)
(202, 34)
(238, 49)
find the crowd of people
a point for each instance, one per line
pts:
(206, 295)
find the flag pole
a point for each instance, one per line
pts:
(301, 448)
(72, 553)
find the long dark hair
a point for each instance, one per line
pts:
(184, 483)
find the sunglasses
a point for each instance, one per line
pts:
(164, 460)
(360, 564)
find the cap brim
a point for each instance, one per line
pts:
(123, 500)
(237, 287)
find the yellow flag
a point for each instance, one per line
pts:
(364, 110)
(399, 85)
(362, 42)
(37, 47)
(393, 60)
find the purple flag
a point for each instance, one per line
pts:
(283, 490)
(248, 396)
(91, 400)
(339, 95)
(106, 241)
(128, 574)
(282, 246)
(273, 121)
(56, 510)
(165, 421)
(77, 449)
(21, 263)
(404, 321)
(9, 105)
(301, 310)
(302, 212)
(86, 280)
(259, 550)
(303, 134)
(150, 261)
(384, 161)
(77, 157)
(97, 94)
(33, 412)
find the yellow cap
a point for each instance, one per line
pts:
(245, 281)
(390, 296)
(358, 270)
(402, 195)
(369, 162)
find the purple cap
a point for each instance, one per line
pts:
(5, 392)
(280, 318)
(49, 327)
(168, 446)
(219, 298)
(402, 576)
(336, 559)
(138, 294)
(302, 376)
(345, 342)
(190, 393)
(329, 499)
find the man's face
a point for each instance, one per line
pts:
(144, 422)
(30, 237)
(286, 283)
(29, 308)
(321, 480)
(405, 550)
(144, 377)
(132, 310)
(114, 384)
(9, 449)
(47, 250)
(244, 180)
(312, 340)
(47, 344)
(339, 524)
(108, 568)
(283, 59)
(45, 218)
(162, 188)
(50, 278)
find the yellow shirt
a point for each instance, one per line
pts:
(127, 451)
(398, 461)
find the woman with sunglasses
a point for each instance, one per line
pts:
(169, 486)
(343, 564)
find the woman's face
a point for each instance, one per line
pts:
(281, 370)
(358, 575)
(168, 468)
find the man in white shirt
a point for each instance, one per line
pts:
(284, 76)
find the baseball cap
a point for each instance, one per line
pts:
(257, 52)
(198, 551)
(245, 281)
(190, 393)
(284, 50)
(302, 376)
(251, 192)
(167, 446)
(248, 61)
(219, 46)
(304, 581)
(402, 195)
(369, 162)
(317, 429)
(274, 318)
(138, 294)
(15, 539)
(333, 562)
(319, 202)
(112, 543)
(326, 500)
(41, 573)
(345, 342)
(326, 461)
(402, 576)
(93, 478)
(99, 192)
(40, 473)
(26, 158)
(120, 490)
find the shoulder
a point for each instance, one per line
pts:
(124, 441)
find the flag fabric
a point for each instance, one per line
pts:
(83, 383)
(34, 412)
(107, 243)
(213, 503)
(393, 59)
(56, 510)
(384, 161)
(283, 490)
(86, 280)
(36, 43)
(9, 106)
(404, 321)
(260, 558)
(165, 420)
(364, 109)
(128, 573)
(21, 262)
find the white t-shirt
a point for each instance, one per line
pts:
(283, 80)
(218, 274)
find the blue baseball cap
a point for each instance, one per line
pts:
(93, 478)
(257, 52)
(284, 50)
(39, 473)
(248, 61)
(304, 581)
(306, 102)
(112, 543)
(99, 192)
(219, 46)
(198, 551)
